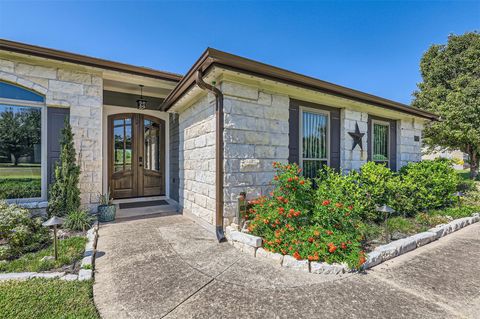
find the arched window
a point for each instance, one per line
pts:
(21, 113)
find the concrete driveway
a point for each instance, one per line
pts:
(171, 267)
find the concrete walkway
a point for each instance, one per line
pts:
(170, 267)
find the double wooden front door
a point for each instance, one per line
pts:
(136, 155)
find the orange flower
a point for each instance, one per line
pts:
(275, 177)
(290, 179)
(278, 241)
(266, 221)
(326, 202)
(344, 246)
(339, 205)
(285, 201)
(331, 248)
(310, 239)
(296, 255)
(296, 178)
(296, 214)
(280, 198)
(316, 233)
(361, 260)
(281, 210)
(350, 207)
(329, 232)
(302, 182)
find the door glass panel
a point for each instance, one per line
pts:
(151, 145)
(122, 146)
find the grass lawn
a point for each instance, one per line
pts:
(21, 181)
(47, 298)
(30, 171)
(69, 250)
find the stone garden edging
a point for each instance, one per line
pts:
(252, 245)
(399, 247)
(86, 266)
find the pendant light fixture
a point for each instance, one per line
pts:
(141, 102)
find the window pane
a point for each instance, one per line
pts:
(311, 168)
(314, 138)
(380, 142)
(152, 145)
(20, 152)
(122, 146)
(10, 91)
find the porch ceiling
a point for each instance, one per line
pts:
(132, 87)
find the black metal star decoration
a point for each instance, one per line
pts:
(357, 137)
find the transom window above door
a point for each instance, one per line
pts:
(314, 137)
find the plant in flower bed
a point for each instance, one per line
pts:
(19, 233)
(293, 221)
(334, 220)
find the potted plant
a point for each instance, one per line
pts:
(106, 210)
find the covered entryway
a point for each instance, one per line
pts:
(136, 156)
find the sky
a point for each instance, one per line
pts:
(373, 46)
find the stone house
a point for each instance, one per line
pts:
(201, 138)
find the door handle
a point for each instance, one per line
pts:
(140, 161)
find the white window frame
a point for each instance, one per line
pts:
(372, 138)
(304, 109)
(43, 139)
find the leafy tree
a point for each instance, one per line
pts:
(451, 89)
(64, 193)
(19, 132)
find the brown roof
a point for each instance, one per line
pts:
(43, 52)
(212, 57)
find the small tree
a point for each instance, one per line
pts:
(64, 193)
(451, 89)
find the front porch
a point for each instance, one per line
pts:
(139, 155)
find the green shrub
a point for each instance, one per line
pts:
(20, 233)
(64, 193)
(428, 185)
(78, 220)
(291, 223)
(456, 212)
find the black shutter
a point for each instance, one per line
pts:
(369, 139)
(393, 145)
(174, 157)
(55, 122)
(335, 139)
(293, 136)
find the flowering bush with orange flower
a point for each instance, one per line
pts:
(292, 221)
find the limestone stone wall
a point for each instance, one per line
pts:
(409, 150)
(197, 160)
(352, 159)
(255, 135)
(79, 90)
